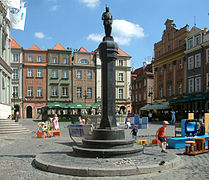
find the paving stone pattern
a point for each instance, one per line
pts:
(18, 152)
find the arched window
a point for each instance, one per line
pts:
(84, 61)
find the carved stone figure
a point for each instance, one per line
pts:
(107, 21)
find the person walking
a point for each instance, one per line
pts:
(160, 134)
(134, 132)
(173, 115)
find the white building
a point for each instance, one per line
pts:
(5, 68)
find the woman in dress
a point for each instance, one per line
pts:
(55, 122)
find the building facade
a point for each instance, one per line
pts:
(142, 87)
(195, 68)
(169, 63)
(16, 64)
(84, 77)
(34, 81)
(123, 81)
(59, 78)
(5, 64)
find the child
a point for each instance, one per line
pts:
(134, 132)
(45, 130)
(160, 135)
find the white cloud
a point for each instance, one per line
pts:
(90, 3)
(123, 32)
(54, 8)
(39, 35)
(95, 37)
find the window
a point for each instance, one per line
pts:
(161, 71)
(180, 64)
(145, 82)
(39, 73)
(197, 61)
(120, 77)
(198, 84)
(170, 67)
(140, 85)
(180, 89)
(120, 62)
(30, 58)
(15, 57)
(197, 40)
(39, 59)
(15, 91)
(120, 94)
(79, 92)
(169, 90)
(39, 111)
(84, 61)
(89, 93)
(15, 74)
(140, 97)
(64, 91)
(79, 74)
(161, 92)
(89, 74)
(145, 96)
(30, 91)
(39, 91)
(64, 74)
(136, 98)
(54, 60)
(54, 91)
(30, 72)
(64, 60)
(54, 74)
(191, 85)
(3, 83)
(190, 62)
(207, 81)
(190, 45)
(207, 55)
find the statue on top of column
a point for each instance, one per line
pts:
(107, 18)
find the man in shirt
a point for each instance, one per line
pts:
(160, 135)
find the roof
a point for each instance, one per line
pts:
(34, 47)
(120, 52)
(82, 49)
(58, 46)
(14, 44)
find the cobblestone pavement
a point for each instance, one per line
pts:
(18, 152)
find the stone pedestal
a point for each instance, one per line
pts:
(107, 140)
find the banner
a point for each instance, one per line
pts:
(17, 17)
(12, 3)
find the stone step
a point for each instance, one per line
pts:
(8, 126)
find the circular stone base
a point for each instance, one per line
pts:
(65, 163)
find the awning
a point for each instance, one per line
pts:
(77, 106)
(96, 105)
(156, 106)
(55, 105)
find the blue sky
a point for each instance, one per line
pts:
(138, 24)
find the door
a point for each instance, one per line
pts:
(29, 112)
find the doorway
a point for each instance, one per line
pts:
(29, 112)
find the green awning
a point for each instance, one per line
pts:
(95, 105)
(156, 106)
(55, 105)
(77, 106)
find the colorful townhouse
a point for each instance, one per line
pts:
(34, 81)
(59, 78)
(17, 79)
(170, 63)
(84, 77)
